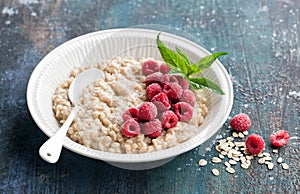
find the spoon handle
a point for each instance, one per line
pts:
(51, 149)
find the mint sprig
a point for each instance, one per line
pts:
(181, 66)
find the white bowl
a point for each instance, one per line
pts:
(94, 47)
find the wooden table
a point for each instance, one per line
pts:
(263, 39)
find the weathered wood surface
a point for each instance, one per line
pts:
(262, 37)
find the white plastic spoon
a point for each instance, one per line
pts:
(51, 149)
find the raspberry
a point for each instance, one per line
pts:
(164, 69)
(279, 138)
(157, 78)
(172, 78)
(240, 122)
(130, 113)
(150, 67)
(255, 144)
(152, 128)
(183, 82)
(169, 119)
(184, 111)
(130, 128)
(152, 90)
(161, 102)
(188, 96)
(147, 111)
(173, 91)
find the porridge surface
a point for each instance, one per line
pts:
(98, 122)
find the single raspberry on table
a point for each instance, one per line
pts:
(183, 82)
(130, 113)
(188, 96)
(152, 90)
(279, 138)
(164, 69)
(240, 122)
(184, 111)
(150, 67)
(147, 111)
(161, 102)
(130, 128)
(157, 78)
(168, 119)
(152, 128)
(255, 144)
(173, 91)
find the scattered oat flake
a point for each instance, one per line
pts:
(270, 166)
(266, 154)
(245, 132)
(261, 161)
(230, 170)
(275, 151)
(235, 134)
(216, 160)
(267, 158)
(285, 166)
(244, 165)
(202, 162)
(227, 164)
(241, 135)
(215, 172)
(233, 162)
(279, 160)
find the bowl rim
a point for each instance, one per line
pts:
(126, 158)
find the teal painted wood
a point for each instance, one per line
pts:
(262, 38)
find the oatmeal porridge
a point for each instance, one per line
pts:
(99, 122)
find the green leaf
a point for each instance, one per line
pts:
(172, 59)
(200, 82)
(176, 71)
(193, 69)
(180, 65)
(207, 61)
(181, 53)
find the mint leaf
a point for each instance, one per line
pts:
(180, 65)
(172, 59)
(181, 53)
(200, 82)
(176, 71)
(207, 61)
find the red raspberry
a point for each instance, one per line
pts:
(188, 96)
(150, 67)
(240, 122)
(183, 82)
(184, 111)
(255, 144)
(173, 91)
(164, 69)
(152, 128)
(279, 138)
(157, 78)
(130, 113)
(172, 78)
(152, 90)
(147, 111)
(130, 128)
(161, 102)
(168, 119)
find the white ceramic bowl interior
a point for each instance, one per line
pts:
(95, 47)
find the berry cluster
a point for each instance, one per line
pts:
(169, 100)
(255, 143)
